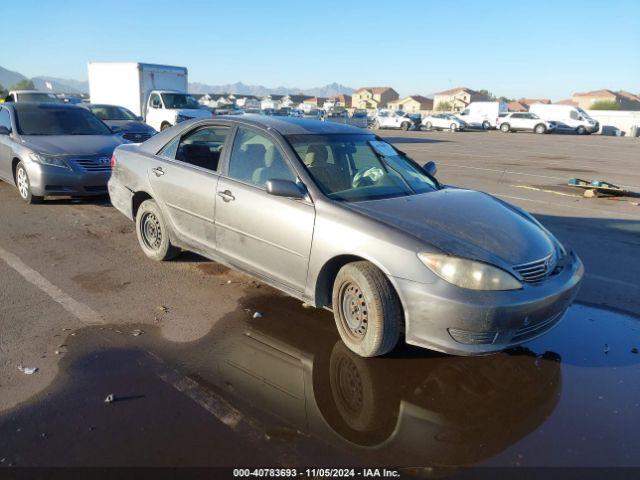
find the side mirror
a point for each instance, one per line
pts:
(140, 119)
(285, 188)
(430, 168)
(4, 131)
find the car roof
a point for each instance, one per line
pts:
(24, 105)
(295, 125)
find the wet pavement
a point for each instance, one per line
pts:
(283, 390)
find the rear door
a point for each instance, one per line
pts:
(267, 234)
(184, 177)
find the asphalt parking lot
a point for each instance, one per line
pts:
(198, 381)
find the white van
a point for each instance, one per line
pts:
(566, 117)
(483, 114)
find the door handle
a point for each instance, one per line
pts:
(158, 171)
(227, 196)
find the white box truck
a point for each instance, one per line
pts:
(483, 114)
(566, 117)
(156, 93)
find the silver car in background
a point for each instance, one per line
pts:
(444, 121)
(343, 220)
(49, 149)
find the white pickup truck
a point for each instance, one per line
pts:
(156, 93)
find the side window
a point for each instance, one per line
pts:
(256, 159)
(5, 119)
(201, 147)
(573, 115)
(154, 101)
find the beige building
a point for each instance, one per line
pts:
(371, 98)
(459, 98)
(625, 100)
(412, 104)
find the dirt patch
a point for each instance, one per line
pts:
(212, 268)
(562, 169)
(99, 282)
(551, 157)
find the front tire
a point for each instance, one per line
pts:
(453, 127)
(367, 310)
(505, 128)
(164, 126)
(24, 186)
(376, 125)
(540, 128)
(405, 126)
(428, 125)
(153, 234)
(581, 130)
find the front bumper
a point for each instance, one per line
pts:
(485, 321)
(47, 180)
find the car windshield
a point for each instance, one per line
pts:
(584, 114)
(110, 112)
(52, 120)
(357, 167)
(38, 97)
(533, 115)
(179, 100)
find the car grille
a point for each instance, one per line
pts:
(136, 137)
(95, 164)
(532, 330)
(537, 270)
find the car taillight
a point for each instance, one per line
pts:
(113, 161)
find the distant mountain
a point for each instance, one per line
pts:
(259, 90)
(63, 85)
(9, 78)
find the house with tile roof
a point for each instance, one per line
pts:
(412, 104)
(373, 98)
(458, 98)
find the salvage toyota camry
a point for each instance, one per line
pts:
(340, 219)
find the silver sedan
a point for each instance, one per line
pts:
(49, 149)
(340, 219)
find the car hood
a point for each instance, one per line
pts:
(130, 126)
(72, 144)
(464, 223)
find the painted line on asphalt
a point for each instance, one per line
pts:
(82, 312)
(612, 280)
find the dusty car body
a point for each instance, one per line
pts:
(49, 149)
(386, 257)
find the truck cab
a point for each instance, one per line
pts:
(166, 108)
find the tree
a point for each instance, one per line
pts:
(506, 99)
(605, 105)
(24, 85)
(487, 94)
(444, 106)
(3, 91)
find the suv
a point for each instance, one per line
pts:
(515, 121)
(395, 119)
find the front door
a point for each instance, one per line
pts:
(184, 178)
(154, 111)
(269, 235)
(6, 149)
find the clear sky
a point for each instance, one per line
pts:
(514, 48)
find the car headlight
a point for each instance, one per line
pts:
(52, 160)
(469, 273)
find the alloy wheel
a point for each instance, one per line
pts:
(23, 183)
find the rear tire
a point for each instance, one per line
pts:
(505, 127)
(453, 127)
(486, 125)
(540, 128)
(376, 125)
(367, 309)
(153, 234)
(24, 186)
(405, 126)
(428, 125)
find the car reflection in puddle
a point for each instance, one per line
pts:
(567, 398)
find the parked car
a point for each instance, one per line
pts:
(394, 119)
(31, 96)
(524, 121)
(314, 113)
(157, 93)
(338, 218)
(49, 149)
(444, 121)
(482, 114)
(566, 117)
(120, 119)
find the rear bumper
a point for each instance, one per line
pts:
(121, 197)
(485, 322)
(55, 181)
